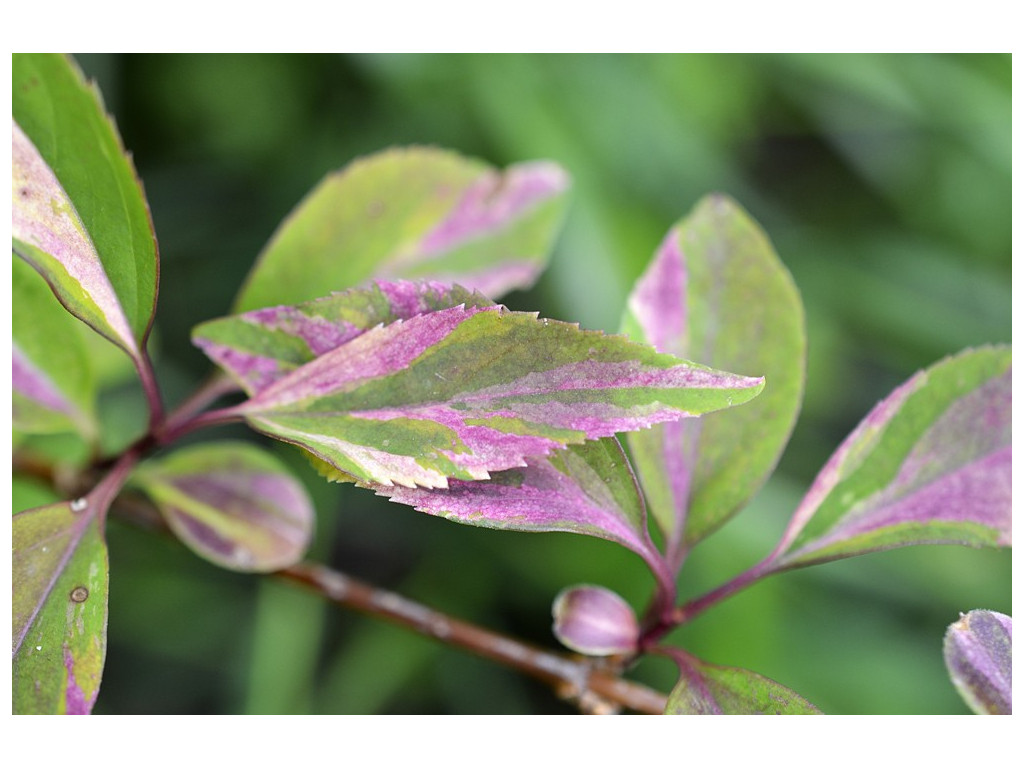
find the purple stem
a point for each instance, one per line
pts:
(177, 429)
(144, 366)
(698, 605)
(213, 388)
(102, 496)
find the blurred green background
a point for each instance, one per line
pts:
(884, 182)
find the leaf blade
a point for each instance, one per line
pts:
(414, 213)
(260, 347)
(59, 580)
(586, 489)
(708, 689)
(233, 504)
(98, 252)
(461, 392)
(53, 389)
(716, 292)
(930, 464)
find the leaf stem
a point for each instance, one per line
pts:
(215, 386)
(692, 608)
(144, 367)
(102, 496)
(180, 427)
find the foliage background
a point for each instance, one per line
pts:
(884, 182)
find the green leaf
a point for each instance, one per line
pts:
(79, 215)
(707, 689)
(233, 504)
(931, 464)
(59, 607)
(52, 385)
(416, 213)
(716, 293)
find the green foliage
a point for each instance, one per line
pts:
(477, 225)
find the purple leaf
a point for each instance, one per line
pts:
(233, 504)
(260, 347)
(587, 489)
(978, 651)
(595, 621)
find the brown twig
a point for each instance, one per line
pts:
(592, 687)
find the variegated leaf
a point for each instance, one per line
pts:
(79, 215)
(413, 213)
(716, 293)
(468, 390)
(52, 387)
(930, 464)
(587, 489)
(708, 689)
(233, 504)
(59, 607)
(260, 347)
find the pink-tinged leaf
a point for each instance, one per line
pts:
(260, 347)
(466, 391)
(79, 214)
(595, 621)
(37, 403)
(49, 234)
(587, 489)
(59, 608)
(52, 383)
(708, 689)
(413, 213)
(978, 650)
(715, 292)
(232, 504)
(929, 464)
